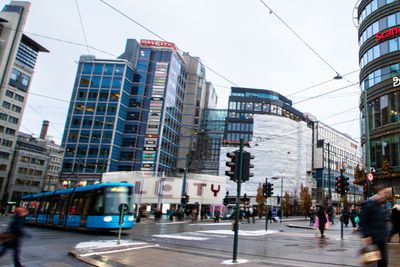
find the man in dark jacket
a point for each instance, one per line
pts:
(395, 217)
(373, 223)
(16, 229)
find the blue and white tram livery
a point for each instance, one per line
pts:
(92, 207)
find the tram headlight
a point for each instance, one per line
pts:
(130, 218)
(107, 219)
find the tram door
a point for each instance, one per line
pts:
(86, 206)
(63, 209)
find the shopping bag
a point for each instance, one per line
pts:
(370, 254)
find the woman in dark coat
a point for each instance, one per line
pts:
(395, 217)
(321, 220)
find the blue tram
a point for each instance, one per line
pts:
(92, 207)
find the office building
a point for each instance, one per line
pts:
(125, 114)
(18, 55)
(379, 54)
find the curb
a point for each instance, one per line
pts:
(88, 260)
(300, 226)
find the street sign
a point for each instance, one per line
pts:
(370, 177)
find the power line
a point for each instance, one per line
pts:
(335, 90)
(158, 36)
(40, 115)
(299, 37)
(82, 27)
(319, 84)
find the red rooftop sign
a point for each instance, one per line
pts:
(380, 36)
(155, 43)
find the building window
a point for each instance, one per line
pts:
(9, 94)
(16, 108)
(10, 131)
(6, 105)
(3, 116)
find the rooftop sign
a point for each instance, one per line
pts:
(155, 43)
(380, 36)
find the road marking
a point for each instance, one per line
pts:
(182, 237)
(117, 250)
(241, 232)
(210, 224)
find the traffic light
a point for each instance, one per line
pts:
(338, 187)
(345, 185)
(233, 164)
(187, 197)
(270, 190)
(265, 189)
(247, 166)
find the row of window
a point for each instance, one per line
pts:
(381, 49)
(100, 82)
(380, 25)
(12, 107)
(4, 155)
(102, 95)
(103, 69)
(94, 137)
(98, 167)
(384, 110)
(27, 182)
(30, 160)
(379, 75)
(235, 137)
(243, 127)
(252, 94)
(7, 130)
(6, 143)
(83, 151)
(386, 148)
(371, 7)
(14, 96)
(28, 171)
(99, 122)
(27, 55)
(110, 109)
(9, 118)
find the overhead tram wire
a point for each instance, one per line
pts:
(299, 37)
(82, 27)
(319, 84)
(158, 36)
(40, 115)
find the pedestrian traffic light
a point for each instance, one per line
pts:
(270, 190)
(338, 187)
(247, 166)
(233, 164)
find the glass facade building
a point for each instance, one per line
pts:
(379, 32)
(125, 114)
(245, 102)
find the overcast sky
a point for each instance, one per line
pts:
(241, 40)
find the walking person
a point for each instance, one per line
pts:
(194, 215)
(331, 213)
(253, 214)
(217, 214)
(373, 223)
(312, 216)
(353, 215)
(395, 217)
(248, 215)
(321, 220)
(16, 232)
(270, 215)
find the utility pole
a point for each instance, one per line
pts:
(266, 207)
(367, 144)
(329, 171)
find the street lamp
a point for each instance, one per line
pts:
(276, 178)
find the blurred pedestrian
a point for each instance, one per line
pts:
(194, 215)
(353, 215)
(253, 212)
(248, 215)
(217, 214)
(321, 220)
(270, 215)
(345, 216)
(373, 223)
(331, 213)
(16, 233)
(395, 217)
(312, 215)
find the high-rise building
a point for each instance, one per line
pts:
(379, 54)
(244, 103)
(125, 114)
(18, 55)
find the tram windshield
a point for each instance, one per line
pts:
(114, 196)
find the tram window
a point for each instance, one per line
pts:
(44, 206)
(74, 207)
(99, 205)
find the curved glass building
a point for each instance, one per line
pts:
(379, 55)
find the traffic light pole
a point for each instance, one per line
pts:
(236, 225)
(266, 208)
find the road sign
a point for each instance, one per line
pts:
(370, 177)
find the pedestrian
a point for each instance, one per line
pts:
(321, 220)
(194, 215)
(373, 223)
(312, 216)
(217, 214)
(248, 215)
(16, 233)
(395, 217)
(353, 215)
(253, 214)
(270, 215)
(331, 213)
(345, 216)
(171, 215)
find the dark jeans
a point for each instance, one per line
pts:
(16, 246)
(383, 248)
(322, 229)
